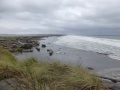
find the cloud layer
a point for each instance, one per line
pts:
(59, 16)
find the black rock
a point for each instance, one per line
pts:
(38, 49)
(43, 45)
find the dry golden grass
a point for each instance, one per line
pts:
(32, 75)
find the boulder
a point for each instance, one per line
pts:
(43, 45)
(38, 49)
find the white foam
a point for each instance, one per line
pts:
(101, 45)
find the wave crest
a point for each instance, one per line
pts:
(110, 47)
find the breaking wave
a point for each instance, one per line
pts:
(110, 47)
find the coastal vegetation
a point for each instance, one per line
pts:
(33, 75)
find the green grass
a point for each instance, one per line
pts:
(33, 75)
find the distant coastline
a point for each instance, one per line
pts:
(46, 35)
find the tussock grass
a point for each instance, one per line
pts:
(33, 75)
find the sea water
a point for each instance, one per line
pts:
(110, 47)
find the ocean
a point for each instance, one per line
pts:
(102, 53)
(99, 52)
(107, 46)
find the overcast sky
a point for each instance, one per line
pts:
(60, 16)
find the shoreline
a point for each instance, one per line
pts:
(66, 52)
(67, 55)
(21, 74)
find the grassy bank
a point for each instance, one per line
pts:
(32, 75)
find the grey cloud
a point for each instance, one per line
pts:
(41, 6)
(60, 16)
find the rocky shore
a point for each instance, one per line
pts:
(20, 44)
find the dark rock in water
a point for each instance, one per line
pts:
(102, 53)
(43, 45)
(105, 54)
(90, 68)
(38, 49)
(50, 52)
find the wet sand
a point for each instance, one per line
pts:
(70, 56)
